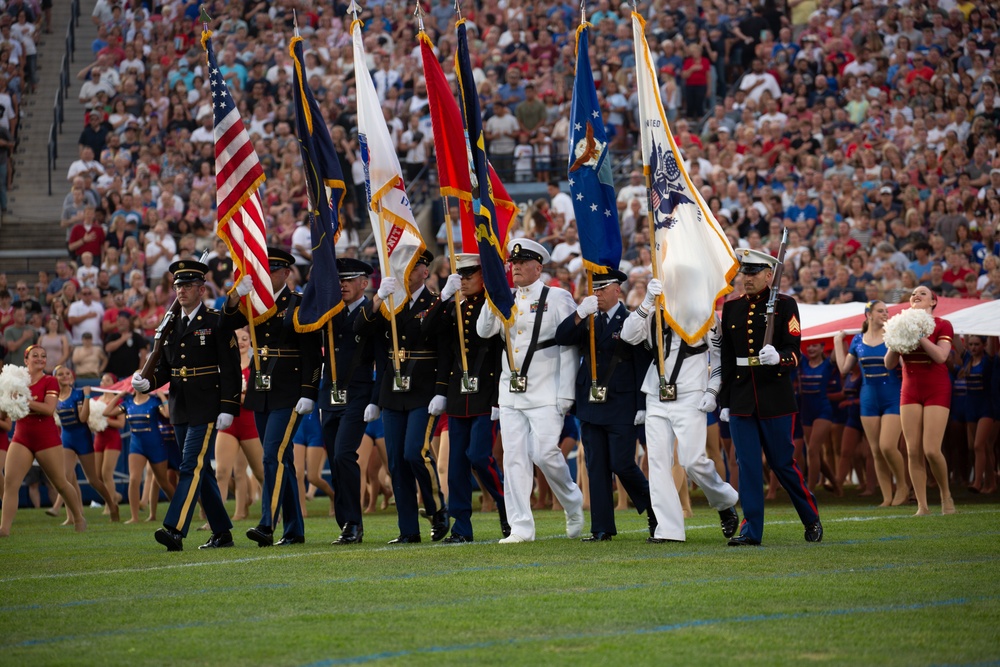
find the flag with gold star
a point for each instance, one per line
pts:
(590, 178)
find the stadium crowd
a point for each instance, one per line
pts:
(868, 129)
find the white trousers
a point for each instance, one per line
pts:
(531, 438)
(683, 421)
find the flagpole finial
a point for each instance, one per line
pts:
(295, 22)
(458, 8)
(419, 13)
(583, 11)
(354, 8)
(205, 18)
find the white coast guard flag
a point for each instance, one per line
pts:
(384, 185)
(697, 263)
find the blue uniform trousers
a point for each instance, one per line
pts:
(280, 489)
(197, 480)
(342, 434)
(408, 447)
(611, 449)
(470, 443)
(774, 436)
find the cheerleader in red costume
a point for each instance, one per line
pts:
(240, 438)
(108, 443)
(925, 402)
(36, 437)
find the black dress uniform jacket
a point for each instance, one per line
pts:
(355, 358)
(294, 366)
(624, 397)
(421, 367)
(483, 356)
(766, 391)
(202, 364)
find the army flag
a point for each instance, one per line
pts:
(398, 239)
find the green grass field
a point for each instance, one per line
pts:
(884, 588)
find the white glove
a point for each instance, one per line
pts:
(436, 405)
(372, 412)
(139, 383)
(563, 405)
(708, 402)
(305, 406)
(724, 415)
(223, 421)
(587, 307)
(388, 286)
(494, 414)
(451, 286)
(640, 418)
(653, 290)
(244, 286)
(769, 356)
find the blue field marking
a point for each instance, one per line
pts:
(694, 623)
(479, 598)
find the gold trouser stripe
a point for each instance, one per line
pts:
(429, 463)
(276, 491)
(196, 478)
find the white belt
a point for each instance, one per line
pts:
(748, 361)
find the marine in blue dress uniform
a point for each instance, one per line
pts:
(283, 386)
(202, 363)
(343, 410)
(405, 417)
(608, 425)
(470, 409)
(758, 399)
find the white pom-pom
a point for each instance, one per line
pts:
(55, 415)
(97, 421)
(904, 331)
(14, 391)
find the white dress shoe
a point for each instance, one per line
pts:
(574, 524)
(513, 539)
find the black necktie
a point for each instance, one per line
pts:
(185, 321)
(602, 322)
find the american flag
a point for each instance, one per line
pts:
(238, 174)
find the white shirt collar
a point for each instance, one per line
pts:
(194, 312)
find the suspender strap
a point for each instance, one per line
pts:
(540, 313)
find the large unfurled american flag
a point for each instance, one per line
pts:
(238, 174)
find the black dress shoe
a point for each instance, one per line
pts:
(730, 521)
(743, 541)
(457, 539)
(406, 539)
(504, 526)
(219, 541)
(814, 532)
(170, 538)
(264, 537)
(651, 519)
(351, 534)
(439, 525)
(288, 541)
(660, 540)
(597, 537)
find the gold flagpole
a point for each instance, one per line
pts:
(656, 274)
(593, 339)
(392, 307)
(458, 309)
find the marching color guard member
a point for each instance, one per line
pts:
(468, 401)
(201, 361)
(536, 394)
(679, 412)
(758, 399)
(283, 386)
(407, 422)
(343, 407)
(610, 412)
